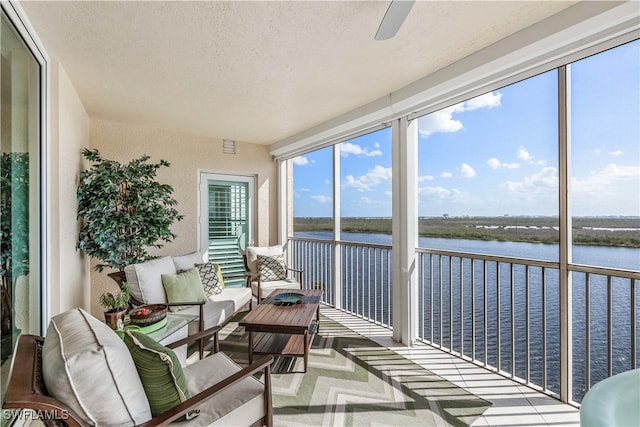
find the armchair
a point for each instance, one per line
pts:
(82, 374)
(268, 271)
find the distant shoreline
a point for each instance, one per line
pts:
(592, 231)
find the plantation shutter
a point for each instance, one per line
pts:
(228, 226)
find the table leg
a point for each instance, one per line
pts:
(250, 348)
(306, 350)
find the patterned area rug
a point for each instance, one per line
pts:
(352, 381)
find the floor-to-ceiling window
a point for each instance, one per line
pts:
(605, 207)
(20, 197)
(488, 184)
(365, 187)
(499, 176)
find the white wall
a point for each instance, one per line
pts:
(188, 155)
(69, 284)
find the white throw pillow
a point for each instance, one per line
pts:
(145, 279)
(88, 367)
(188, 261)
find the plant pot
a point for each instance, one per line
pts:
(111, 318)
(119, 277)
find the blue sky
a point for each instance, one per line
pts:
(497, 154)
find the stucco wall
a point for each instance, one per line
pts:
(68, 276)
(189, 155)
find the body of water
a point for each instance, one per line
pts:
(542, 356)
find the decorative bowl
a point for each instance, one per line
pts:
(148, 314)
(288, 298)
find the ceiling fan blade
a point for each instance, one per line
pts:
(393, 18)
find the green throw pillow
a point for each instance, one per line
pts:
(211, 277)
(183, 287)
(271, 268)
(160, 372)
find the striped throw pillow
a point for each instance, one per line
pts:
(160, 372)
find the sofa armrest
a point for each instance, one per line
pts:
(190, 404)
(196, 337)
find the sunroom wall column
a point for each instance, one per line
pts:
(564, 151)
(404, 160)
(337, 253)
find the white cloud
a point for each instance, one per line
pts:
(601, 181)
(523, 154)
(374, 177)
(497, 164)
(440, 121)
(440, 193)
(326, 181)
(613, 189)
(446, 175)
(322, 199)
(616, 153)
(542, 185)
(364, 201)
(466, 171)
(347, 148)
(488, 100)
(425, 178)
(443, 121)
(300, 161)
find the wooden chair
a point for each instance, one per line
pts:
(26, 388)
(261, 286)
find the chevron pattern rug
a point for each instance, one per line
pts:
(352, 381)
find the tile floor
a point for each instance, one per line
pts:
(513, 404)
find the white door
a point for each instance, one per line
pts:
(226, 220)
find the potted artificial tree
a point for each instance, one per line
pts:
(124, 211)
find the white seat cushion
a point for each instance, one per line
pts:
(88, 367)
(241, 404)
(266, 288)
(220, 307)
(145, 279)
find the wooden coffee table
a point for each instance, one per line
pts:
(282, 330)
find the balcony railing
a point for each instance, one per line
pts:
(499, 312)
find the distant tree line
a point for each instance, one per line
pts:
(593, 231)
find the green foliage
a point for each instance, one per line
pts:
(124, 210)
(116, 302)
(14, 229)
(595, 231)
(14, 214)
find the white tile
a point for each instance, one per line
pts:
(513, 404)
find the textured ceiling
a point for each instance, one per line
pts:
(258, 71)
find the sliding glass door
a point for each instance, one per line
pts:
(20, 228)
